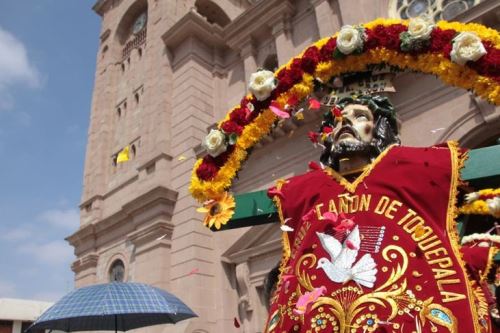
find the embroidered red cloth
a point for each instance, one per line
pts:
(378, 254)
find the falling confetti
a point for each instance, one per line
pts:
(194, 271)
(314, 104)
(161, 237)
(286, 228)
(181, 158)
(236, 323)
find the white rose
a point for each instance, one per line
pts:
(467, 46)
(215, 143)
(349, 39)
(261, 84)
(494, 206)
(418, 28)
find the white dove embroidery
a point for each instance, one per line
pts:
(340, 267)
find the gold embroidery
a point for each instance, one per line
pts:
(351, 187)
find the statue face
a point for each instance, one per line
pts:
(356, 125)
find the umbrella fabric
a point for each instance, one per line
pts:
(113, 306)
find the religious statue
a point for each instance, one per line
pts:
(369, 234)
(372, 245)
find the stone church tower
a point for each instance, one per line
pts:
(166, 71)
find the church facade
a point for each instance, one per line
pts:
(166, 72)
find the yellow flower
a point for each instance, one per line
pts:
(218, 212)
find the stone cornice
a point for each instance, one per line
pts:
(90, 200)
(248, 23)
(88, 261)
(161, 231)
(159, 196)
(193, 25)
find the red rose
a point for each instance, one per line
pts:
(296, 70)
(239, 116)
(221, 159)
(441, 41)
(231, 127)
(488, 64)
(326, 52)
(288, 77)
(387, 37)
(310, 59)
(327, 129)
(207, 170)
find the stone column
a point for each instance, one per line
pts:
(283, 39)
(248, 54)
(328, 21)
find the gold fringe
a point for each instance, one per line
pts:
(489, 264)
(284, 238)
(457, 163)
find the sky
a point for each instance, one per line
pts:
(47, 64)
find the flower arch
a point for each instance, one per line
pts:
(461, 55)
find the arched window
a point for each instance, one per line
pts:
(117, 271)
(132, 29)
(271, 63)
(437, 9)
(212, 12)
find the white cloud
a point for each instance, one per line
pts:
(53, 253)
(15, 67)
(17, 234)
(63, 218)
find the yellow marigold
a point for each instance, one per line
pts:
(384, 22)
(483, 32)
(324, 71)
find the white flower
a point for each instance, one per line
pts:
(215, 143)
(467, 46)
(494, 206)
(471, 197)
(349, 39)
(261, 84)
(419, 28)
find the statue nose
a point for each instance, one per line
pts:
(346, 121)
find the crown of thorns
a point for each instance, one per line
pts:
(379, 105)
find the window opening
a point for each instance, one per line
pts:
(117, 271)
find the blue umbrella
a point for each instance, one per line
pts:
(115, 306)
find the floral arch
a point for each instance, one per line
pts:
(462, 55)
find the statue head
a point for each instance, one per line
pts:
(366, 127)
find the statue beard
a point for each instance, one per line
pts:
(350, 148)
(347, 149)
